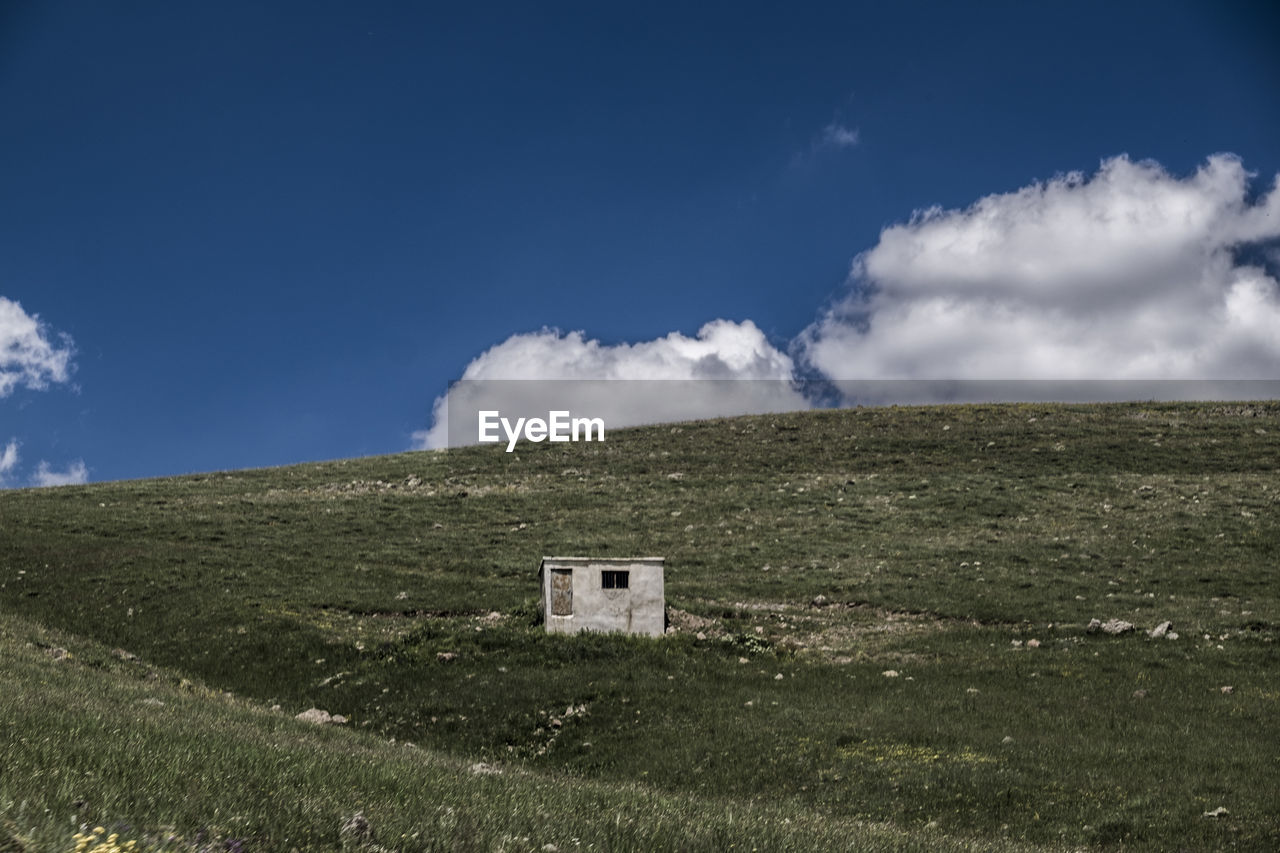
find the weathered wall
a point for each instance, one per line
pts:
(640, 609)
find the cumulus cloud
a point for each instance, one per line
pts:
(29, 356)
(8, 461)
(671, 378)
(75, 474)
(1131, 273)
(722, 349)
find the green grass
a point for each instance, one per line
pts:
(93, 740)
(946, 538)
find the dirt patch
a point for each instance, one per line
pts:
(683, 622)
(840, 632)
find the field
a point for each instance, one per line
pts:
(881, 641)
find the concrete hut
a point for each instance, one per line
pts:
(603, 594)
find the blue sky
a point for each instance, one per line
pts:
(270, 233)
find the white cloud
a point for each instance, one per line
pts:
(75, 475)
(722, 349)
(836, 135)
(27, 354)
(667, 379)
(8, 460)
(1128, 274)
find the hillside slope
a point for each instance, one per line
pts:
(964, 548)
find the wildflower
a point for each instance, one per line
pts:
(93, 842)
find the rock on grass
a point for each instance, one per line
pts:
(320, 717)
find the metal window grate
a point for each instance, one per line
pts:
(615, 580)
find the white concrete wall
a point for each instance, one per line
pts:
(639, 609)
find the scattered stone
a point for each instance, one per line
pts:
(1160, 630)
(1007, 739)
(700, 635)
(1172, 635)
(445, 657)
(356, 828)
(152, 701)
(1139, 694)
(1111, 626)
(1033, 643)
(401, 595)
(320, 717)
(58, 653)
(972, 690)
(820, 600)
(890, 673)
(1017, 644)
(1227, 689)
(480, 768)
(778, 677)
(1218, 812)
(123, 655)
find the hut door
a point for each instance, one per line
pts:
(562, 592)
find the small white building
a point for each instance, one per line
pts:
(603, 594)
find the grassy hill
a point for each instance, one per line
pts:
(964, 549)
